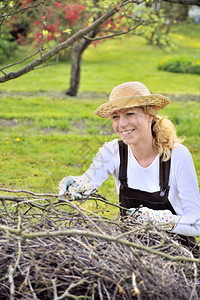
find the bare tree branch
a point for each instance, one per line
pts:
(19, 62)
(4, 17)
(185, 2)
(114, 34)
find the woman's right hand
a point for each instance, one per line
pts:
(75, 187)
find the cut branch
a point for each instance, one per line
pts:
(72, 253)
(29, 192)
(72, 232)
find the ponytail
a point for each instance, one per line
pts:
(164, 134)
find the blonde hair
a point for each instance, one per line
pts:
(164, 134)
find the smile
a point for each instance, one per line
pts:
(127, 132)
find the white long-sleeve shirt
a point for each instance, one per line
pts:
(184, 191)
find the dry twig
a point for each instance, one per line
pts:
(53, 249)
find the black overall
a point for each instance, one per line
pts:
(129, 197)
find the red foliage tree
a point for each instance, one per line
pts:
(56, 21)
(56, 25)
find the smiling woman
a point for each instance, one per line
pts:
(154, 172)
(133, 126)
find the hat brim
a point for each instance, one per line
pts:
(107, 109)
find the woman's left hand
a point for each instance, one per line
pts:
(162, 219)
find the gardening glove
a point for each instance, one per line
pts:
(75, 186)
(161, 219)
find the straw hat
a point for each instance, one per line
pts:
(128, 95)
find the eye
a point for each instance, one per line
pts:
(115, 117)
(130, 113)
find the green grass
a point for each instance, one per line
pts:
(46, 135)
(38, 149)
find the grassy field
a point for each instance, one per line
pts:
(116, 61)
(46, 135)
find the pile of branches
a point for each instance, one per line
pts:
(54, 249)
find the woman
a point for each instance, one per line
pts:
(154, 172)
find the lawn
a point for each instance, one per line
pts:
(47, 135)
(116, 61)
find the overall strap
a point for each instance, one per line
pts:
(164, 171)
(123, 152)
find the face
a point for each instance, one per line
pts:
(133, 126)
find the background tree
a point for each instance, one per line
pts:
(48, 31)
(55, 26)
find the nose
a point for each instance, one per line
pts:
(123, 121)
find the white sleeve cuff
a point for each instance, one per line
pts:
(187, 225)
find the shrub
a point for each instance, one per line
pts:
(181, 64)
(7, 46)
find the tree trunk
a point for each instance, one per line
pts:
(76, 63)
(77, 57)
(183, 13)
